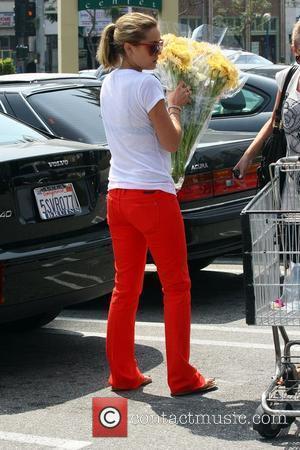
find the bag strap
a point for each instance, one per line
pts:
(284, 89)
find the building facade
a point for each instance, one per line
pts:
(7, 30)
(269, 34)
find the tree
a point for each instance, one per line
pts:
(247, 11)
(90, 37)
(7, 66)
(51, 11)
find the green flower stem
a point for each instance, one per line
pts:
(193, 126)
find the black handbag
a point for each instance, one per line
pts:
(274, 147)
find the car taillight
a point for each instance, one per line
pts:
(1, 284)
(198, 186)
(225, 183)
(215, 183)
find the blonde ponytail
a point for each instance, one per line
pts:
(106, 52)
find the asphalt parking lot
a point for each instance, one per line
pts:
(49, 377)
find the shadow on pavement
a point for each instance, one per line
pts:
(42, 369)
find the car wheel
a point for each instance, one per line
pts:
(30, 323)
(267, 426)
(197, 264)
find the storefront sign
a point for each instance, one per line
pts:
(99, 4)
(85, 18)
(86, 21)
(7, 20)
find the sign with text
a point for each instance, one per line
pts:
(100, 4)
(7, 20)
(85, 20)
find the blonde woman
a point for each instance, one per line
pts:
(143, 211)
(290, 113)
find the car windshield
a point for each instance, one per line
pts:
(72, 113)
(14, 132)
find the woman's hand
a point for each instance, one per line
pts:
(180, 96)
(242, 165)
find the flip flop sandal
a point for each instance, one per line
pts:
(211, 386)
(146, 381)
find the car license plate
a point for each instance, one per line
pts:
(57, 201)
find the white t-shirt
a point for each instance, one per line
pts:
(137, 159)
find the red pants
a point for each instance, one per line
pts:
(141, 220)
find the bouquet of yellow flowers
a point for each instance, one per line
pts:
(209, 74)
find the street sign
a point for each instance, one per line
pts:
(99, 4)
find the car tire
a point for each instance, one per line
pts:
(30, 323)
(197, 264)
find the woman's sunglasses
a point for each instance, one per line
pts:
(153, 47)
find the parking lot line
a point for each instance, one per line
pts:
(42, 440)
(195, 326)
(206, 342)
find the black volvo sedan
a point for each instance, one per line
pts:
(55, 248)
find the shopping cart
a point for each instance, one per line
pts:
(271, 236)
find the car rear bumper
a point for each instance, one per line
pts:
(37, 280)
(215, 230)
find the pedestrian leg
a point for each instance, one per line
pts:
(167, 245)
(130, 250)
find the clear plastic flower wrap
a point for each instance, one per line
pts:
(209, 74)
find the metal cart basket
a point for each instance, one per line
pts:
(271, 237)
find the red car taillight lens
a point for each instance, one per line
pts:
(215, 183)
(196, 187)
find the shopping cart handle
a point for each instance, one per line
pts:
(289, 159)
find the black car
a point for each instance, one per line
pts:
(211, 199)
(55, 249)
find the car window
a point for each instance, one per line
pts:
(244, 102)
(13, 132)
(72, 113)
(21, 110)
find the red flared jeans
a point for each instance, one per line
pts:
(141, 220)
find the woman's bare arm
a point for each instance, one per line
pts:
(166, 122)
(255, 147)
(167, 126)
